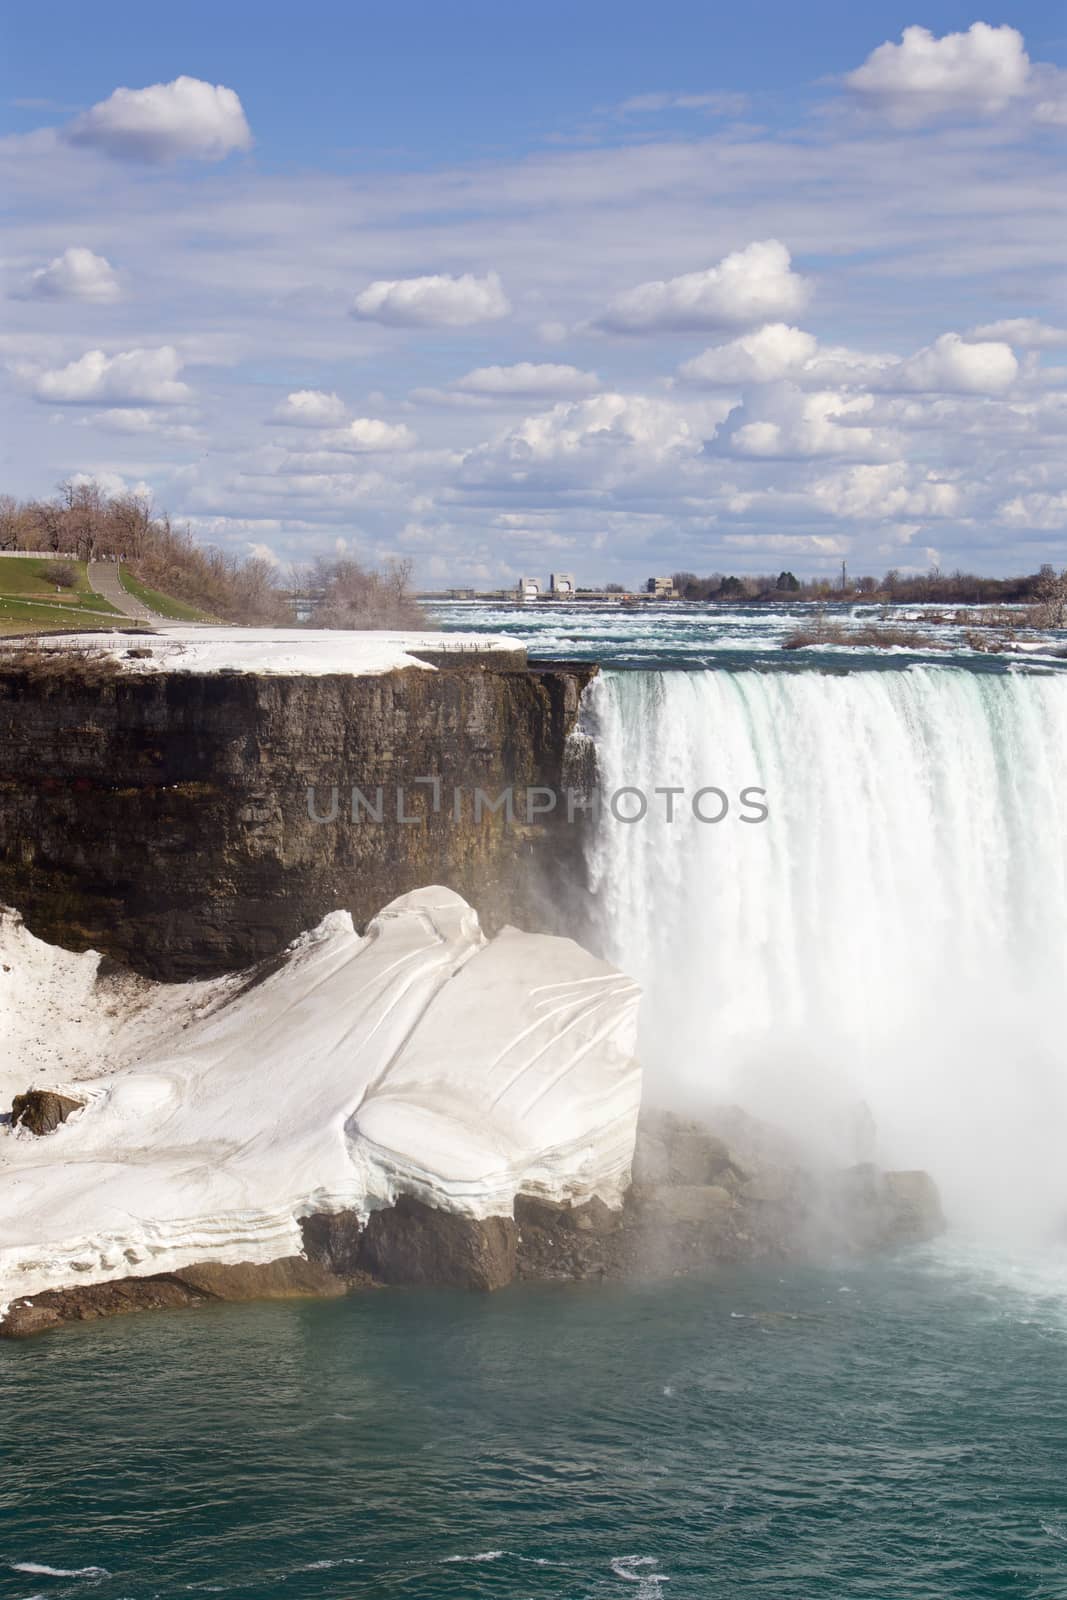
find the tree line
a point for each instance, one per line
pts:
(1045, 588)
(83, 521)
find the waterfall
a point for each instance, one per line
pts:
(888, 948)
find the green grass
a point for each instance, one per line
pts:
(176, 610)
(25, 580)
(26, 616)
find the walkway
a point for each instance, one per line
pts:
(104, 579)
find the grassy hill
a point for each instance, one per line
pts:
(173, 610)
(31, 603)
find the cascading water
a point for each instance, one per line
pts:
(888, 949)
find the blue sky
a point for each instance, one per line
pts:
(506, 288)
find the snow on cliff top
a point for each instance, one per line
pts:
(314, 651)
(420, 1058)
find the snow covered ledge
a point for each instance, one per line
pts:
(418, 1060)
(304, 652)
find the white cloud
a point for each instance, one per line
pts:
(142, 420)
(886, 492)
(147, 376)
(1047, 512)
(652, 428)
(747, 286)
(774, 351)
(951, 365)
(1052, 112)
(780, 421)
(923, 76)
(310, 408)
(438, 301)
(716, 105)
(527, 378)
(263, 552)
(77, 274)
(1026, 333)
(371, 434)
(164, 122)
(982, 72)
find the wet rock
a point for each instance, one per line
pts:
(42, 1110)
(290, 1277)
(411, 1243)
(23, 1321)
(875, 1210)
(333, 1239)
(915, 1206)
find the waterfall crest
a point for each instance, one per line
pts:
(889, 948)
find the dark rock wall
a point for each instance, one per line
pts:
(164, 819)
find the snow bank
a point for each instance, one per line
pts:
(312, 651)
(419, 1059)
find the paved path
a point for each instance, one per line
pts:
(104, 579)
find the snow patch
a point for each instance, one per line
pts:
(309, 652)
(420, 1058)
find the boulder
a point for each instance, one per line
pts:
(42, 1110)
(412, 1243)
(23, 1321)
(288, 1278)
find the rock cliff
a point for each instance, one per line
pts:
(164, 818)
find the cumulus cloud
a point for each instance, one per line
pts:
(1026, 333)
(371, 434)
(527, 379)
(146, 376)
(781, 421)
(981, 71)
(748, 286)
(952, 365)
(653, 428)
(773, 351)
(164, 122)
(1048, 512)
(889, 491)
(438, 301)
(310, 408)
(77, 274)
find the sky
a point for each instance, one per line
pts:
(599, 288)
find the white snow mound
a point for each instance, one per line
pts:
(421, 1058)
(311, 652)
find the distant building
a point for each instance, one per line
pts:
(563, 586)
(461, 594)
(528, 589)
(662, 588)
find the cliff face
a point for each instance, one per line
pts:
(165, 818)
